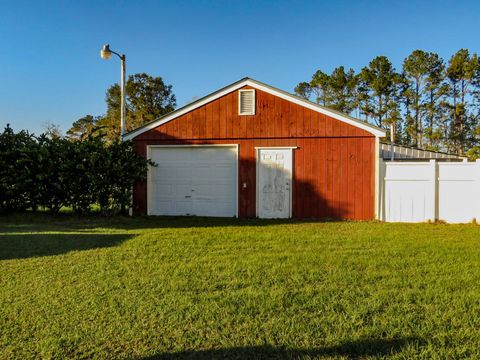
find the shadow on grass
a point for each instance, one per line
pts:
(30, 222)
(352, 350)
(19, 246)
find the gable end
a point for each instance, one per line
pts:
(249, 83)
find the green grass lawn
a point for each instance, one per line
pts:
(147, 288)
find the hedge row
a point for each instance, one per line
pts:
(54, 173)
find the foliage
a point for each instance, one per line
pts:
(84, 127)
(431, 104)
(378, 86)
(118, 167)
(169, 288)
(462, 72)
(52, 130)
(336, 90)
(422, 71)
(147, 98)
(54, 172)
(17, 163)
(52, 182)
(474, 153)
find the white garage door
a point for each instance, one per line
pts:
(197, 180)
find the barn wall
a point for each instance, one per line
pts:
(274, 118)
(333, 164)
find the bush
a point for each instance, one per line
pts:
(55, 172)
(17, 156)
(52, 178)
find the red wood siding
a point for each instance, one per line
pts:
(333, 164)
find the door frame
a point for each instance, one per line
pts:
(149, 173)
(257, 192)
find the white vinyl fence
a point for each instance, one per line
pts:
(429, 191)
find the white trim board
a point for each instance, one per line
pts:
(276, 147)
(378, 132)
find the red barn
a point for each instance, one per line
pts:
(251, 150)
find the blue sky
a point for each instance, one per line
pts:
(50, 69)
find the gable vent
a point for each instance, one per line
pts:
(246, 102)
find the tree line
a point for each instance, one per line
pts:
(431, 103)
(51, 172)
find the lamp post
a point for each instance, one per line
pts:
(105, 54)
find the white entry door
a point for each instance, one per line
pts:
(193, 180)
(274, 183)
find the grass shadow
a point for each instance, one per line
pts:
(22, 246)
(351, 349)
(29, 222)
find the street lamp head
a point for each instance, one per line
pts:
(105, 53)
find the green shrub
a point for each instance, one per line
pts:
(17, 156)
(56, 172)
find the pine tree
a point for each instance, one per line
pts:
(379, 90)
(430, 105)
(423, 74)
(435, 89)
(462, 72)
(320, 87)
(336, 91)
(303, 90)
(342, 90)
(415, 70)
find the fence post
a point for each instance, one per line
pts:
(381, 190)
(434, 190)
(377, 183)
(477, 186)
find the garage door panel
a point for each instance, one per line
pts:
(183, 190)
(161, 206)
(205, 154)
(160, 188)
(218, 173)
(171, 207)
(193, 181)
(171, 155)
(217, 208)
(169, 172)
(184, 173)
(210, 191)
(157, 173)
(170, 190)
(184, 207)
